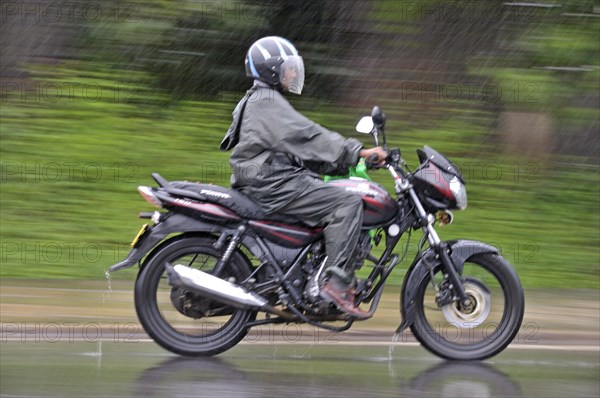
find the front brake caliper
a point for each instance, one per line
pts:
(444, 294)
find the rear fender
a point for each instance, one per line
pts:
(461, 251)
(175, 223)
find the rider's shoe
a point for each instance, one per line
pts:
(342, 295)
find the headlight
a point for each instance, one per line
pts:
(460, 193)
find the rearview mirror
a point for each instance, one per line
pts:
(365, 125)
(378, 116)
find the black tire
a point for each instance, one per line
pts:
(181, 334)
(489, 276)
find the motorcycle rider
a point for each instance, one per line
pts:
(278, 155)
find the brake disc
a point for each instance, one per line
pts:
(476, 312)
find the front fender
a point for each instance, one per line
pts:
(175, 223)
(461, 251)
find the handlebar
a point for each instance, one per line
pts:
(394, 162)
(371, 161)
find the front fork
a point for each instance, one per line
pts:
(456, 285)
(441, 249)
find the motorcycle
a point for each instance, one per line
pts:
(213, 260)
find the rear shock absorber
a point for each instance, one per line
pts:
(231, 247)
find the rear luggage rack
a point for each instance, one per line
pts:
(166, 185)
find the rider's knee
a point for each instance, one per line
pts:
(354, 202)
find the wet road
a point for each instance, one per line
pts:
(84, 340)
(116, 368)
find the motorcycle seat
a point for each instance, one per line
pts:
(232, 199)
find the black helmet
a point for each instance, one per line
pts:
(275, 61)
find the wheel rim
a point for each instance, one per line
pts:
(165, 323)
(492, 275)
(186, 325)
(471, 329)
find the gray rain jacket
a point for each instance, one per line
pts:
(279, 153)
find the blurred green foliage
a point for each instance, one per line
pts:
(79, 133)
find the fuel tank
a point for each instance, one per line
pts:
(379, 206)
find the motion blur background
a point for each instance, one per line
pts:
(96, 95)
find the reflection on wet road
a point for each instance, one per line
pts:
(142, 369)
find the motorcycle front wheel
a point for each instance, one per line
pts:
(480, 330)
(183, 322)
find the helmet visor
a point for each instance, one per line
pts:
(291, 74)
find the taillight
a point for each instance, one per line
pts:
(148, 195)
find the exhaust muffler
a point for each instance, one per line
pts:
(210, 286)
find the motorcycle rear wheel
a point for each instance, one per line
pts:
(482, 330)
(192, 334)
